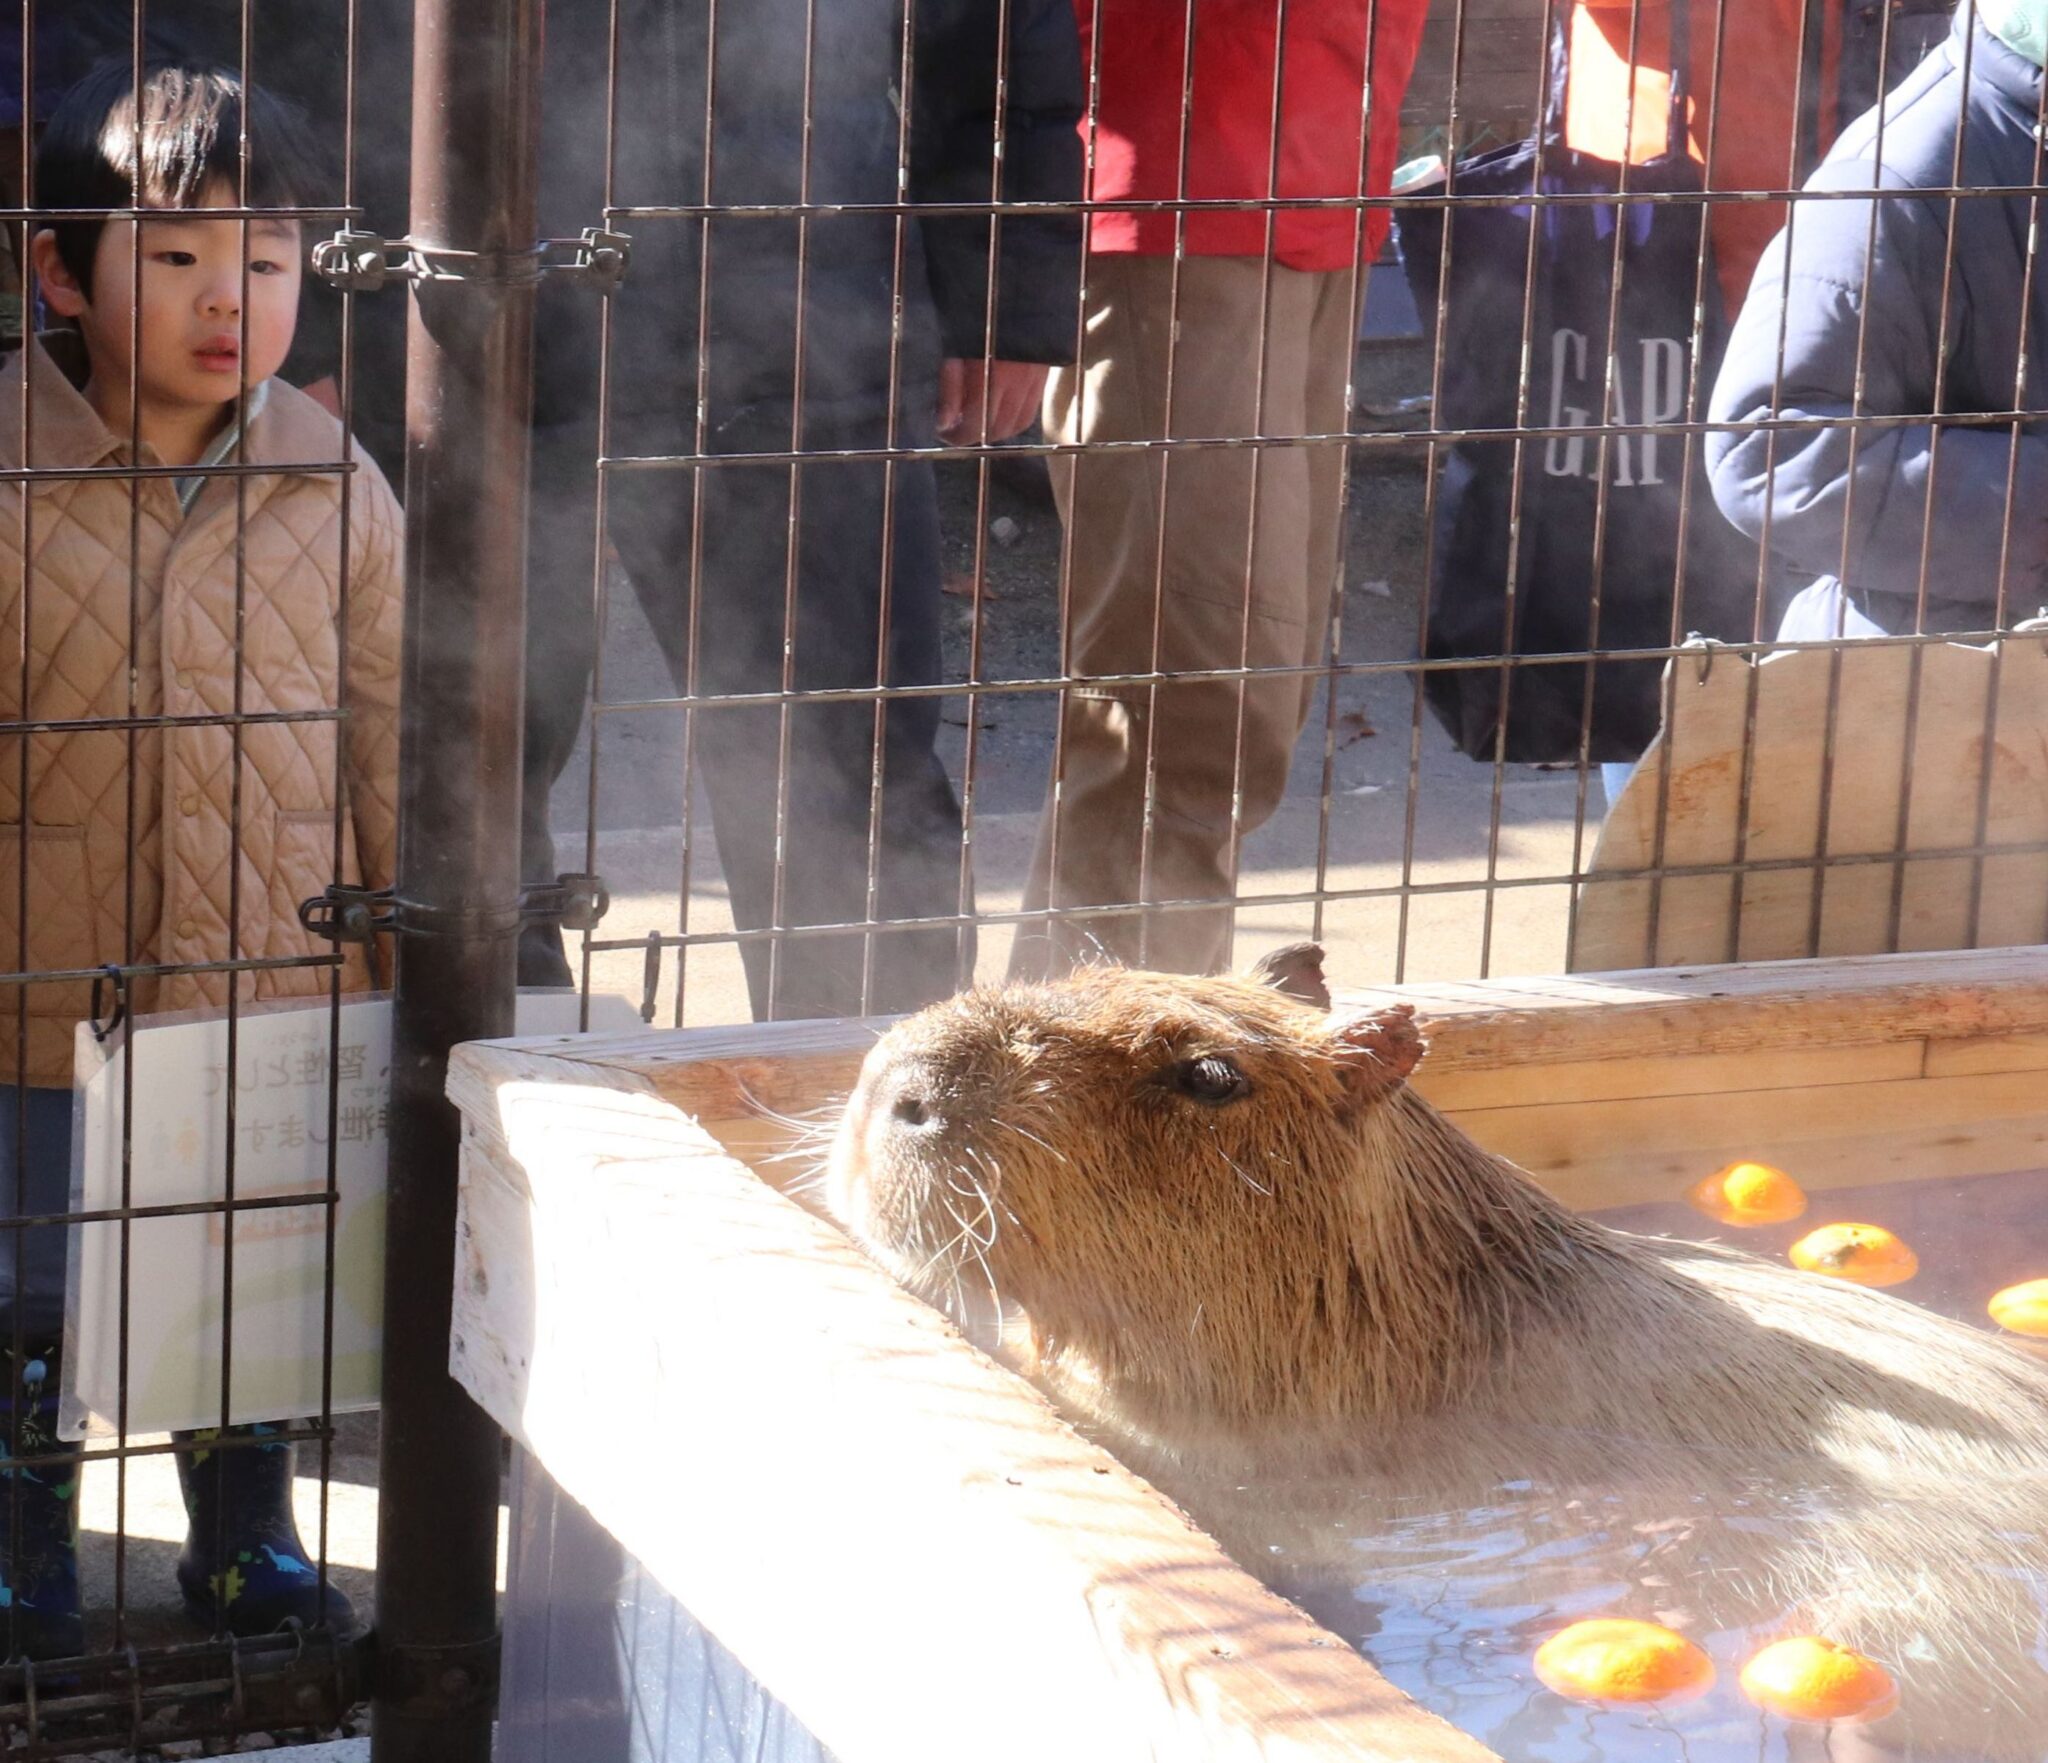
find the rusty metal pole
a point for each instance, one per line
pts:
(469, 356)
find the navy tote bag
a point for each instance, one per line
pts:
(1535, 712)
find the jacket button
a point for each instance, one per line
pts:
(185, 678)
(188, 803)
(186, 928)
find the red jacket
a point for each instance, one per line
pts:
(1231, 120)
(1755, 143)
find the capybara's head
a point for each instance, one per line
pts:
(1140, 1161)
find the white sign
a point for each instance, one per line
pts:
(174, 1270)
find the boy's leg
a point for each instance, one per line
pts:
(39, 1499)
(244, 1569)
(35, 1180)
(1186, 561)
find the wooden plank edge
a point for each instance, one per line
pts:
(1480, 1026)
(1740, 1008)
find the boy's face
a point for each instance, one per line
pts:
(200, 339)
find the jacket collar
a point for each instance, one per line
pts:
(2011, 76)
(290, 429)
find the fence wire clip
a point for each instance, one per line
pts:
(575, 902)
(598, 259)
(109, 975)
(347, 915)
(361, 263)
(1702, 648)
(358, 262)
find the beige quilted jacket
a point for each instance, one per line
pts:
(131, 820)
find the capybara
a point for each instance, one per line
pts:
(1253, 1259)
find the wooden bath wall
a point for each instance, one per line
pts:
(1942, 748)
(903, 1542)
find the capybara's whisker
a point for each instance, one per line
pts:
(1026, 1133)
(1239, 1170)
(820, 1120)
(808, 1182)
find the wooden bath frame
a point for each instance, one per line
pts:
(902, 1541)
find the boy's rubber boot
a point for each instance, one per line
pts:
(243, 1570)
(39, 1609)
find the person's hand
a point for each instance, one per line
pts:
(1003, 395)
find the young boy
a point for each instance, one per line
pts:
(147, 617)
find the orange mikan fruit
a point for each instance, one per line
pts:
(1867, 1254)
(2022, 1308)
(1808, 1678)
(1749, 1193)
(1618, 1659)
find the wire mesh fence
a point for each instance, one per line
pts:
(1169, 665)
(1500, 486)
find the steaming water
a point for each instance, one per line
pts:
(1451, 1604)
(1449, 1598)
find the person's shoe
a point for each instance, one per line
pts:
(39, 1609)
(243, 1570)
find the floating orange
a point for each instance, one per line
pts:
(2022, 1308)
(1617, 1659)
(1868, 1254)
(1749, 1193)
(1807, 1678)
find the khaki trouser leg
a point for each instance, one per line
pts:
(1237, 573)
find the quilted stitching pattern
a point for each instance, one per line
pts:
(109, 558)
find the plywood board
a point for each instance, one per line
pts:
(1625, 1152)
(1460, 1090)
(1943, 747)
(1978, 1053)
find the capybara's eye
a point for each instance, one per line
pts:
(1211, 1078)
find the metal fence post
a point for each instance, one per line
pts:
(474, 170)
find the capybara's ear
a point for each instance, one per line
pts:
(1297, 971)
(1377, 1051)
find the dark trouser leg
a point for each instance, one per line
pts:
(39, 1614)
(561, 649)
(35, 1180)
(831, 835)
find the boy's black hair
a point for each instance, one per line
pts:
(191, 139)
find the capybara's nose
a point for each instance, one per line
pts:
(914, 1108)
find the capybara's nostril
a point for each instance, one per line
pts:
(911, 1109)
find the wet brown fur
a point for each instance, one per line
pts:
(1325, 1277)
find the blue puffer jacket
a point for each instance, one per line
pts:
(1866, 506)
